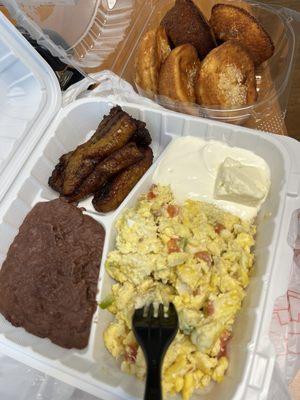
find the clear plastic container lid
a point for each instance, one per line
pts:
(29, 97)
(82, 32)
(95, 35)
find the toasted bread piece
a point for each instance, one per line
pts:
(153, 50)
(147, 63)
(227, 77)
(234, 23)
(178, 74)
(163, 45)
(185, 23)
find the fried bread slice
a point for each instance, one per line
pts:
(185, 23)
(153, 50)
(163, 44)
(227, 77)
(234, 23)
(178, 74)
(147, 63)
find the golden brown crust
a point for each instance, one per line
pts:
(227, 77)
(178, 74)
(147, 63)
(153, 50)
(113, 194)
(234, 23)
(163, 45)
(185, 23)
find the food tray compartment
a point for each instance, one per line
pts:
(93, 369)
(247, 326)
(69, 131)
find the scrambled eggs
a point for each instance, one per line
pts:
(197, 257)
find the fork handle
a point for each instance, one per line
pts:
(153, 382)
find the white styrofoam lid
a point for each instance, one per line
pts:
(30, 96)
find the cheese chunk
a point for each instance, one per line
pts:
(239, 183)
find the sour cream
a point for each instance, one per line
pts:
(194, 169)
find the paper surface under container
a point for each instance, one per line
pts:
(93, 369)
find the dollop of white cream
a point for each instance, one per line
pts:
(192, 165)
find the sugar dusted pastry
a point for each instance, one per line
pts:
(178, 74)
(227, 78)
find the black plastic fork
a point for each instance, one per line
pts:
(155, 334)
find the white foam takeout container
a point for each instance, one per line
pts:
(35, 131)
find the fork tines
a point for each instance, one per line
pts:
(155, 333)
(153, 316)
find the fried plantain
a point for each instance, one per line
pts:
(227, 77)
(234, 23)
(185, 23)
(114, 132)
(56, 180)
(105, 170)
(141, 136)
(178, 74)
(112, 194)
